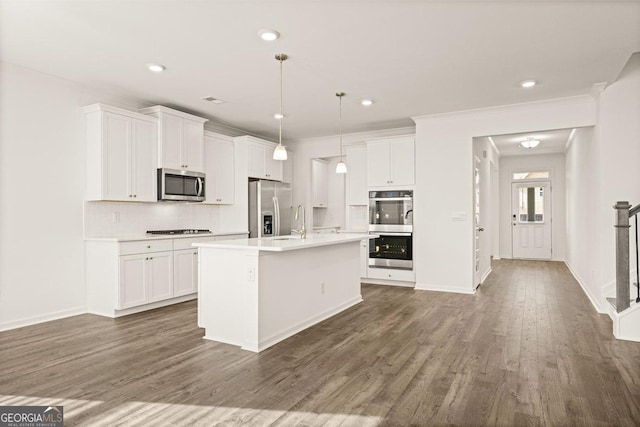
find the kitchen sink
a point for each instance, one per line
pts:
(287, 238)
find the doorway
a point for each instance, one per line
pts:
(531, 220)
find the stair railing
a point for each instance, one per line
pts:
(623, 212)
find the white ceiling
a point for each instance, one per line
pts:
(411, 57)
(551, 141)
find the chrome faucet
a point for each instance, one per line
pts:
(303, 231)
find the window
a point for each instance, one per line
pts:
(519, 176)
(531, 204)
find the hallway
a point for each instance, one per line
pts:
(527, 349)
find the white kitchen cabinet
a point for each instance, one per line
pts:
(391, 162)
(357, 190)
(319, 183)
(180, 138)
(261, 163)
(121, 155)
(185, 272)
(219, 168)
(145, 278)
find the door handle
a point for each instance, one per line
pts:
(480, 229)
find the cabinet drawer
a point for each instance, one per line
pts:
(180, 244)
(145, 246)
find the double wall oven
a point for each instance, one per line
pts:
(391, 217)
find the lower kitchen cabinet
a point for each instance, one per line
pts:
(144, 278)
(185, 272)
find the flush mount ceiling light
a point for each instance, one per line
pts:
(269, 35)
(528, 84)
(156, 68)
(529, 143)
(213, 100)
(280, 152)
(278, 116)
(366, 102)
(341, 167)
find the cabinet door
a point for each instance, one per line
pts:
(192, 146)
(144, 161)
(378, 164)
(225, 172)
(257, 153)
(185, 276)
(357, 176)
(159, 275)
(273, 168)
(402, 162)
(319, 185)
(116, 157)
(132, 289)
(171, 134)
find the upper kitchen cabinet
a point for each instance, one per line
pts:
(357, 191)
(219, 168)
(390, 162)
(319, 184)
(261, 163)
(121, 154)
(180, 138)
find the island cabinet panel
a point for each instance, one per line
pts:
(255, 296)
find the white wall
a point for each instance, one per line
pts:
(443, 246)
(42, 184)
(582, 199)
(555, 164)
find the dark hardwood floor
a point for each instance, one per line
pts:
(527, 349)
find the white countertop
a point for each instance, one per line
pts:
(134, 237)
(284, 243)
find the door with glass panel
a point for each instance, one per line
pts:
(531, 220)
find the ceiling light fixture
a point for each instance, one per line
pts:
(341, 167)
(280, 152)
(529, 143)
(269, 35)
(366, 102)
(278, 116)
(528, 84)
(156, 68)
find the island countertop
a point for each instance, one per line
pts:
(285, 243)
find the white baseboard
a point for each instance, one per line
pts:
(591, 297)
(485, 275)
(34, 320)
(370, 281)
(426, 287)
(140, 308)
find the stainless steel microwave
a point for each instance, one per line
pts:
(174, 184)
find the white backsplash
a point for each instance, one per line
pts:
(108, 219)
(357, 218)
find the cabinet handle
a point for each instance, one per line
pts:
(152, 258)
(135, 195)
(146, 259)
(148, 246)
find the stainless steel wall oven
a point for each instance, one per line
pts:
(391, 217)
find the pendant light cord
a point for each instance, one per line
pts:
(281, 116)
(340, 127)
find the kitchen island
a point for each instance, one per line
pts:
(255, 293)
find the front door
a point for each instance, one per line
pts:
(531, 220)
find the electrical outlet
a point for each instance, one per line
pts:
(116, 217)
(322, 288)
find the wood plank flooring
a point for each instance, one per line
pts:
(527, 349)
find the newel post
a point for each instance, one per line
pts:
(622, 255)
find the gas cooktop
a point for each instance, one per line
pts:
(183, 231)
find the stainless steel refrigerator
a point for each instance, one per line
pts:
(269, 209)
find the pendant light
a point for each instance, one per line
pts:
(280, 153)
(341, 167)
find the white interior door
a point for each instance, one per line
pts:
(531, 220)
(476, 222)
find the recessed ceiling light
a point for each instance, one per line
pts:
(529, 143)
(214, 100)
(366, 102)
(269, 35)
(528, 83)
(278, 116)
(156, 68)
